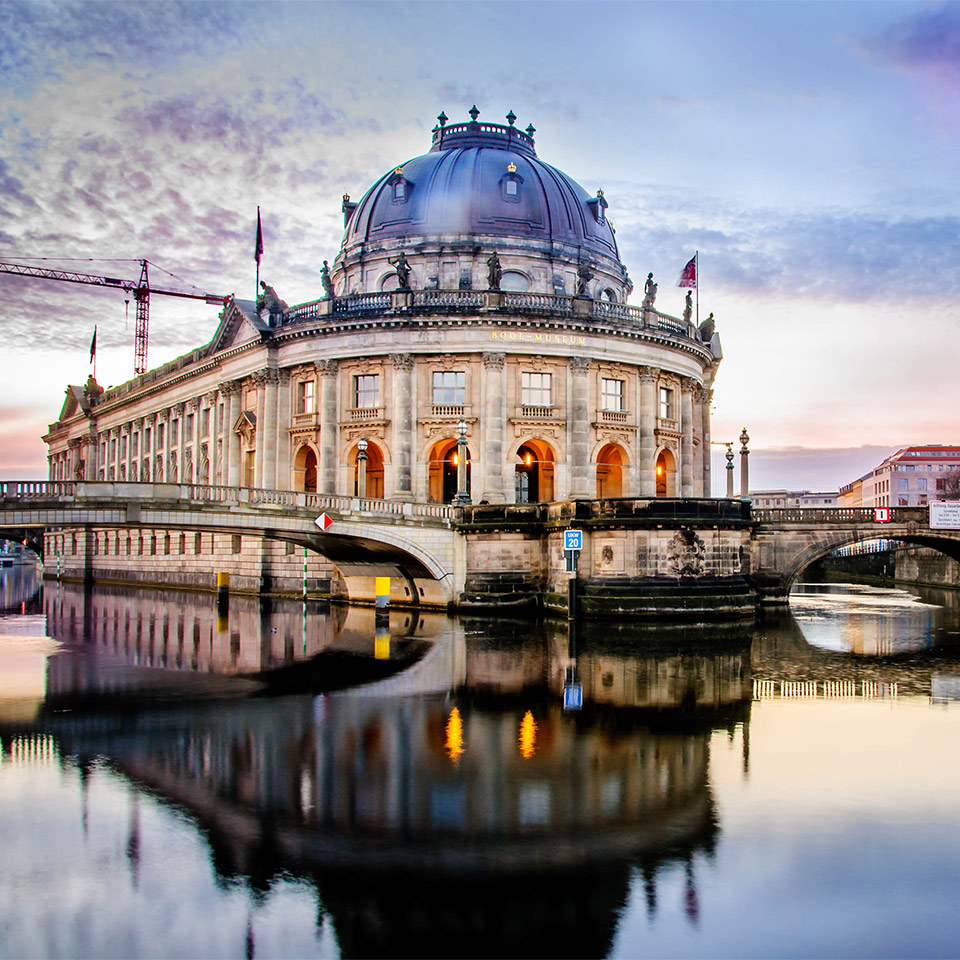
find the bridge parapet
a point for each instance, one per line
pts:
(845, 515)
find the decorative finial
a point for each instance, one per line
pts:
(399, 171)
(474, 113)
(511, 117)
(599, 193)
(346, 198)
(531, 130)
(511, 167)
(442, 117)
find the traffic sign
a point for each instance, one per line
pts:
(572, 539)
(881, 514)
(572, 696)
(323, 521)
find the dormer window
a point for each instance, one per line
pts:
(598, 206)
(510, 184)
(399, 186)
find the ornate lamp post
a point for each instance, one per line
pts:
(744, 468)
(729, 456)
(463, 495)
(362, 467)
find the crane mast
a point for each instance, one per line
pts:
(140, 289)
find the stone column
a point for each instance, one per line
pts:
(268, 427)
(232, 390)
(707, 401)
(284, 408)
(210, 440)
(329, 427)
(648, 423)
(402, 416)
(687, 387)
(493, 426)
(194, 407)
(260, 379)
(698, 450)
(578, 430)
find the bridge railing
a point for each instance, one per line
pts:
(36, 490)
(837, 515)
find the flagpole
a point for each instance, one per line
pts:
(696, 261)
(259, 245)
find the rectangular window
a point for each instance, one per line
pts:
(113, 449)
(611, 394)
(146, 441)
(922, 500)
(160, 432)
(237, 544)
(220, 417)
(134, 443)
(921, 483)
(941, 485)
(903, 484)
(205, 422)
(174, 432)
(366, 390)
(189, 427)
(535, 389)
(305, 396)
(197, 543)
(903, 501)
(123, 448)
(666, 403)
(449, 387)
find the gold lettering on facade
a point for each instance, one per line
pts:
(538, 337)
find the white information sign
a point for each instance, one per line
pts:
(945, 515)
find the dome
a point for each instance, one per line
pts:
(483, 183)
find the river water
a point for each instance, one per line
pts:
(281, 782)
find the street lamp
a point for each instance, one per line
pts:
(729, 456)
(362, 467)
(463, 494)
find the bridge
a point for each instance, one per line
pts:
(448, 548)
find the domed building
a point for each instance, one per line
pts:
(477, 291)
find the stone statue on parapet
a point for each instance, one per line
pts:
(326, 281)
(688, 307)
(403, 271)
(707, 328)
(494, 271)
(269, 301)
(584, 276)
(649, 292)
(92, 390)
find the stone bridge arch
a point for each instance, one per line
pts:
(781, 553)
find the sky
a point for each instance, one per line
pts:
(808, 151)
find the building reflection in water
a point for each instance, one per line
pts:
(453, 802)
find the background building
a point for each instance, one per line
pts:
(911, 477)
(793, 498)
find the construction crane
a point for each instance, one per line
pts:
(140, 289)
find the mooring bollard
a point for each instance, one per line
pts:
(382, 592)
(223, 592)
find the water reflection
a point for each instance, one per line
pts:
(18, 588)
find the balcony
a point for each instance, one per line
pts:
(366, 414)
(527, 411)
(614, 416)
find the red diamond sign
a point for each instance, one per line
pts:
(323, 521)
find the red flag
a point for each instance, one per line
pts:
(689, 276)
(258, 249)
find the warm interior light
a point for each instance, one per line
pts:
(528, 459)
(456, 459)
(659, 470)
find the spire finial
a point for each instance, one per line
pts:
(531, 130)
(474, 113)
(511, 117)
(442, 117)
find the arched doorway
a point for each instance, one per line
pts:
(305, 470)
(610, 461)
(442, 471)
(374, 472)
(666, 474)
(534, 472)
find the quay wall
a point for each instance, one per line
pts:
(185, 560)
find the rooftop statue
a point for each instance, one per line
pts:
(494, 271)
(403, 271)
(584, 276)
(688, 307)
(269, 301)
(326, 281)
(707, 328)
(649, 292)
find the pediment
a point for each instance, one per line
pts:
(239, 323)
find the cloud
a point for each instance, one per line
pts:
(812, 468)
